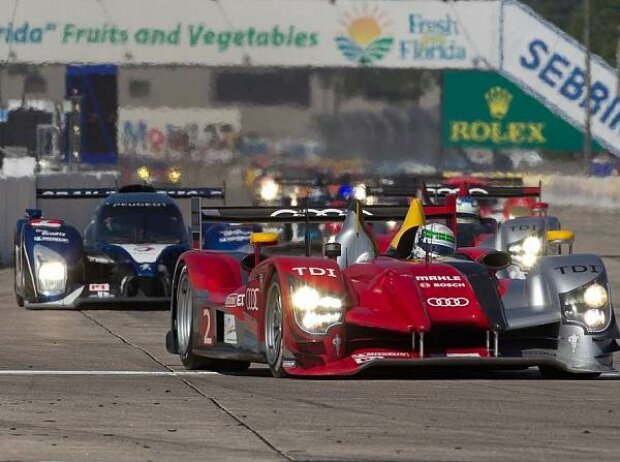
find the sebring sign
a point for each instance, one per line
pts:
(483, 109)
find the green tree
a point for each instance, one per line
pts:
(568, 16)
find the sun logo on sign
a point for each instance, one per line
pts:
(365, 39)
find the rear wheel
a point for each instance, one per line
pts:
(184, 321)
(554, 373)
(274, 329)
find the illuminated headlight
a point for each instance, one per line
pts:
(143, 173)
(532, 245)
(51, 271)
(595, 296)
(359, 192)
(315, 312)
(526, 252)
(588, 305)
(269, 190)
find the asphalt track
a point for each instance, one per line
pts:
(98, 385)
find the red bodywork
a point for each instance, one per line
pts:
(393, 310)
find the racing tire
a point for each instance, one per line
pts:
(553, 373)
(184, 324)
(274, 329)
(18, 298)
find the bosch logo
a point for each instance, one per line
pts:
(450, 302)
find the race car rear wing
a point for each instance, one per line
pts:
(88, 193)
(491, 192)
(200, 214)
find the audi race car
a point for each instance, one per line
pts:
(308, 310)
(127, 255)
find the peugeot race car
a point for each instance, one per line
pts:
(127, 254)
(308, 312)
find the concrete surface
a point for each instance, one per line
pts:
(120, 399)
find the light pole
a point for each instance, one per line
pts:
(587, 139)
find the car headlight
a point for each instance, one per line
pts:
(269, 190)
(526, 252)
(315, 312)
(359, 192)
(51, 271)
(587, 305)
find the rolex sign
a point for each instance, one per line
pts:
(483, 109)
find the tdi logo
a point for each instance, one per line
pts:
(578, 269)
(314, 271)
(523, 228)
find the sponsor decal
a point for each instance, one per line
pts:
(231, 300)
(205, 327)
(463, 355)
(448, 302)
(74, 192)
(337, 342)
(141, 204)
(292, 213)
(578, 269)
(200, 192)
(230, 329)
(365, 39)
(44, 235)
(438, 278)
(145, 266)
(46, 223)
(289, 363)
(105, 287)
(574, 342)
(361, 358)
(144, 253)
(440, 191)
(524, 227)
(314, 271)
(251, 297)
(442, 285)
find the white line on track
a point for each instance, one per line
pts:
(29, 372)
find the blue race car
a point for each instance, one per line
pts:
(127, 255)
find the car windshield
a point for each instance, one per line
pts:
(149, 223)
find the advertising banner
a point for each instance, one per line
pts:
(551, 65)
(484, 109)
(347, 33)
(176, 133)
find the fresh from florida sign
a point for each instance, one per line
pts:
(303, 33)
(484, 109)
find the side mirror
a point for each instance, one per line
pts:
(259, 240)
(559, 238)
(496, 260)
(333, 250)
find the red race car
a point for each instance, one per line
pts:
(314, 310)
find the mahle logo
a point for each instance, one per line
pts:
(498, 100)
(365, 39)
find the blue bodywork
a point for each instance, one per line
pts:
(127, 255)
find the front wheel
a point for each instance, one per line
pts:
(554, 373)
(184, 324)
(274, 329)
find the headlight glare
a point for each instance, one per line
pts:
(269, 190)
(594, 318)
(315, 312)
(532, 245)
(595, 296)
(51, 271)
(588, 305)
